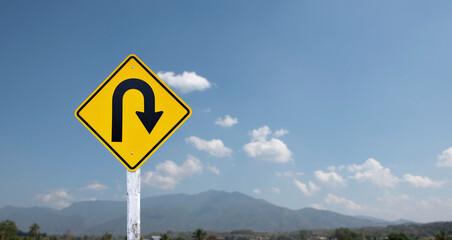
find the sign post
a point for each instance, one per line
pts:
(133, 204)
(132, 113)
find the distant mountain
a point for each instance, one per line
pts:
(373, 219)
(402, 221)
(383, 222)
(211, 210)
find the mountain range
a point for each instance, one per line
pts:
(210, 210)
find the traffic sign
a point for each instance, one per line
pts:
(133, 112)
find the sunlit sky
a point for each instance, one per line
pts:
(342, 106)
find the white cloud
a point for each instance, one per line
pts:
(331, 178)
(281, 133)
(273, 150)
(276, 190)
(213, 169)
(333, 199)
(57, 199)
(121, 197)
(93, 199)
(168, 174)
(427, 203)
(94, 187)
(186, 82)
(331, 168)
(435, 203)
(421, 210)
(394, 200)
(214, 147)
(374, 172)
(334, 168)
(228, 121)
(257, 191)
(260, 134)
(288, 174)
(445, 158)
(318, 206)
(422, 182)
(307, 189)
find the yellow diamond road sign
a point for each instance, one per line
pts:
(133, 112)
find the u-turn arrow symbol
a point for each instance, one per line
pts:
(149, 117)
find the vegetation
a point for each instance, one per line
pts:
(345, 234)
(431, 231)
(34, 230)
(107, 236)
(398, 236)
(8, 230)
(199, 234)
(303, 235)
(442, 236)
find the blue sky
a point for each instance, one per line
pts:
(340, 106)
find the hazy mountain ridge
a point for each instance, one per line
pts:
(386, 222)
(211, 210)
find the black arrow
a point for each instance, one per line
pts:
(149, 117)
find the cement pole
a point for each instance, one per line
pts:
(133, 204)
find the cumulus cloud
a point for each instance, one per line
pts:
(318, 206)
(276, 190)
(213, 169)
(430, 209)
(273, 150)
(214, 147)
(374, 172)
(421, 182)
(93, 199)
(445, 158)
(334, 168)
(435, 203)
(227, 121)
(331, 178)
(168, 174)
(121, 197)
(288, 174)
(57, 199)
(333, 199)
(391, 200)
(281, 132)
(94, 187)
(260, 134)
(257, 191)
(307, 189)
(185, 82)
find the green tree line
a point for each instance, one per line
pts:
(9, 231)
